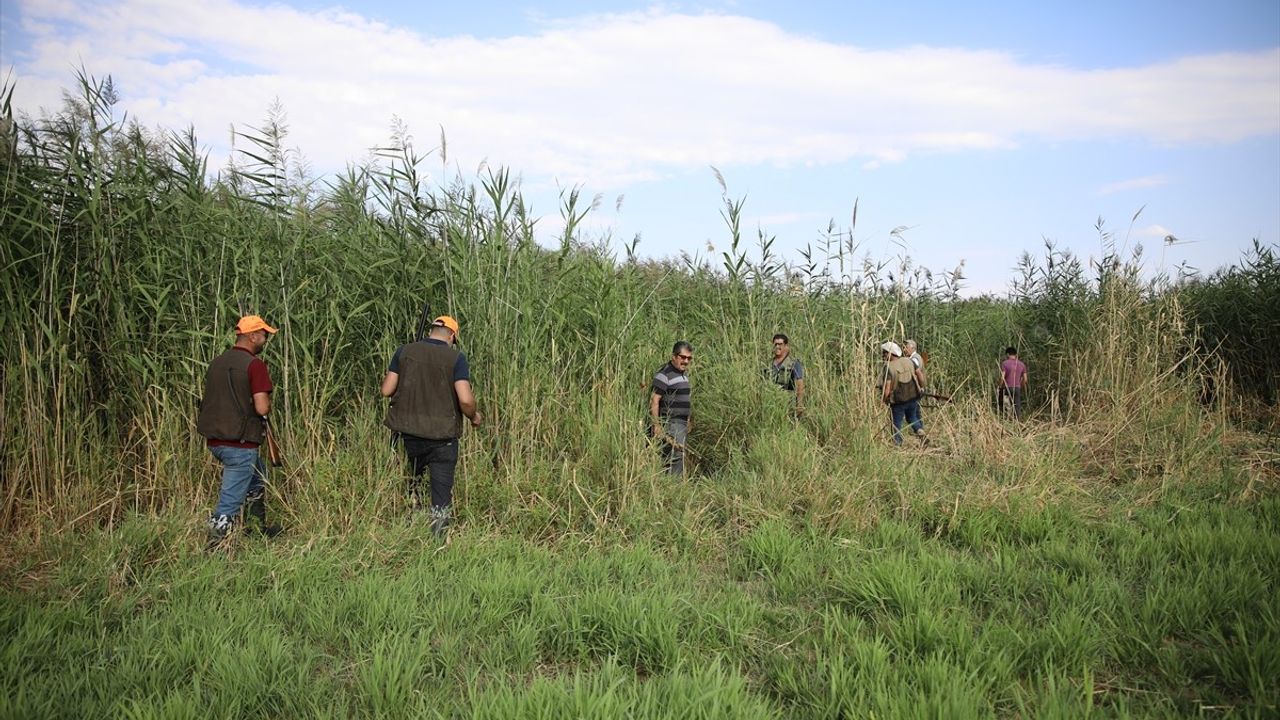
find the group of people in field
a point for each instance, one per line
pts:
(902, 387)
(670, 409)
(428, 383)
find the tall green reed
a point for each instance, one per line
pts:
(126, 266)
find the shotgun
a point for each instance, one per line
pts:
(274, 456)
(424, 320)
(273, 448)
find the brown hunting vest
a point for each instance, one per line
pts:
(425, 404)
(226, 411)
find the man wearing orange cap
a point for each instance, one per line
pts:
(233, 419)
(429, 383)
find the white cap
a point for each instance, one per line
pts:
(892, 348)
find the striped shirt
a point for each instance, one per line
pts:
(672, 387)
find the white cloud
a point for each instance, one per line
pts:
(1139, 183)
(1155, 231)
(608, 99)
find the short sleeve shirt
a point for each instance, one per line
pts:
(259, 377)
(776, 371)
(797, 368)
(1013, 370)
(461, 370)
(673, 389)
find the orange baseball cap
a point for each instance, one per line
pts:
(447, 322)
(251, 323)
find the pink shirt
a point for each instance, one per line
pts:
(1013, 370)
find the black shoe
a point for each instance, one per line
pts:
(256, 519)
(266, 531)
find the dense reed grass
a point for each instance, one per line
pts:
(1114, 554)
(125, 266)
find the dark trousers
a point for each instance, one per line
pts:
(1015, 400)
(436, 458)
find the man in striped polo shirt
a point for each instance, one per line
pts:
(669, 406)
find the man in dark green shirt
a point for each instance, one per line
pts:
(787, 371)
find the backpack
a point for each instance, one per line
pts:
(904, 381)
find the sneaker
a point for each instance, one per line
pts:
(218, 527)
(441, 518)
(255, 519)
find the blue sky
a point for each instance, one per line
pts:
(981, 128)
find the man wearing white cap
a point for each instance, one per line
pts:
(901, 389)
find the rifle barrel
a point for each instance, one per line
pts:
(424, 318)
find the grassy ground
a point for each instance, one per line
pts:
(1047, 600)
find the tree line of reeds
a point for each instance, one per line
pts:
(1238, 312)
(126, 261)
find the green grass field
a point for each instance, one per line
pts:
(1037, 601)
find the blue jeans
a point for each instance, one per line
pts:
(243, 475)
(909, 411)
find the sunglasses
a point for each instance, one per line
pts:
(685, 357)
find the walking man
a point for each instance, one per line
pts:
(669, 406)
(901, 389)
(787, 372)
(1013, 377)
(233, 421)
(429, 383)
(909, 352)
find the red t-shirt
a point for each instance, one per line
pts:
(259, 382)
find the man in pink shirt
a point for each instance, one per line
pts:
(1013, 377)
